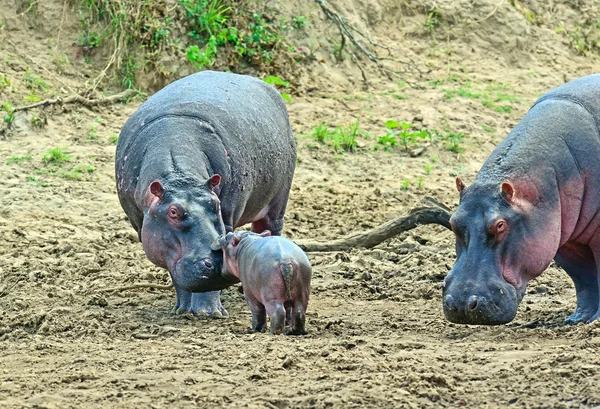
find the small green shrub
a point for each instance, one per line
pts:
(56, 156)
(401, 132)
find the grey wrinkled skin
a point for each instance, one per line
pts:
(209, 123)
(275, 274)
(543, 184)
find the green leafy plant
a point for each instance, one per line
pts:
(452, 140)
(405, 185)
(113, 138)
(35, 121)
(275, 80)
(10, 113)
(206, 17)
(299, 21)
(433, 20)
(34, 82)
(428, 169)
(92, 135)
(321, 132)
(56, 156)
(203, 58)
(420, 183)
(340, 139)
(401, 131)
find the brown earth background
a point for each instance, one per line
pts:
(377, 335)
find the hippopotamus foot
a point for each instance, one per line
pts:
(580, 315)
(594, 317)
(200, 304)
(579, 263)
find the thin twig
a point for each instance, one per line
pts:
(62, 20)
(81, 100)
(346, 30)
(137, 286)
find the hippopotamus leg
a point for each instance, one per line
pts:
(276, 313)
(200, 304)
(259, 316)
(273, 221)
(578, 261)
(299, 318)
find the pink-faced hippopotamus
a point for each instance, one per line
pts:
(275, 274)
(207, 153)
(536, 198)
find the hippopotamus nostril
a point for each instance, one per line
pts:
(207, 263)
(450, 302)
(473, 302)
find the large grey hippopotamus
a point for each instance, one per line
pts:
(204, 155)
(536, 198)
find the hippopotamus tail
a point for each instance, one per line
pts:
(287, 271)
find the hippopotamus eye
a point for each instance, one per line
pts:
(500, 226)
(173, 212)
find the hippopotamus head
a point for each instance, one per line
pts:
(230, 244)
(503, 239)
(180, 223)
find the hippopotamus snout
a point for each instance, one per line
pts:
(472, 302)
(196, 272)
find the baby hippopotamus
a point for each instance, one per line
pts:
(275, 274)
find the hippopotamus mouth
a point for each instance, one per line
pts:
(202, 274)
(494, 302)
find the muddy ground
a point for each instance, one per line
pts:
(377, 334)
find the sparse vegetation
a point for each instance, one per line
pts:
(78, 172)
(16, 159)
(433, 20)
(340, 139)
(92, 134)
(9, 117)
(56, 156)
(405, 185)
(401, 132)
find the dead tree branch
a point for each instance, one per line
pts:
(81, 100)
(429, 211)
(346, 32)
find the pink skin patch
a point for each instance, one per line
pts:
(535, 253)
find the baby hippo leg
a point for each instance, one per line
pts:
(298, 319)
(276, 313)
(259, 317)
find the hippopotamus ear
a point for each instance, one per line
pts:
(520, 192)
(218, 243)
(214, 181)
(508, 191)
(460, 186)
(265, 233)
(235, 240)
(156, 188)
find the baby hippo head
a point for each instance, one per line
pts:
(230, 244)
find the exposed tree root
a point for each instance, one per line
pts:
(80, 100)
(347, 32)
(429, 211)
(136, 287)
